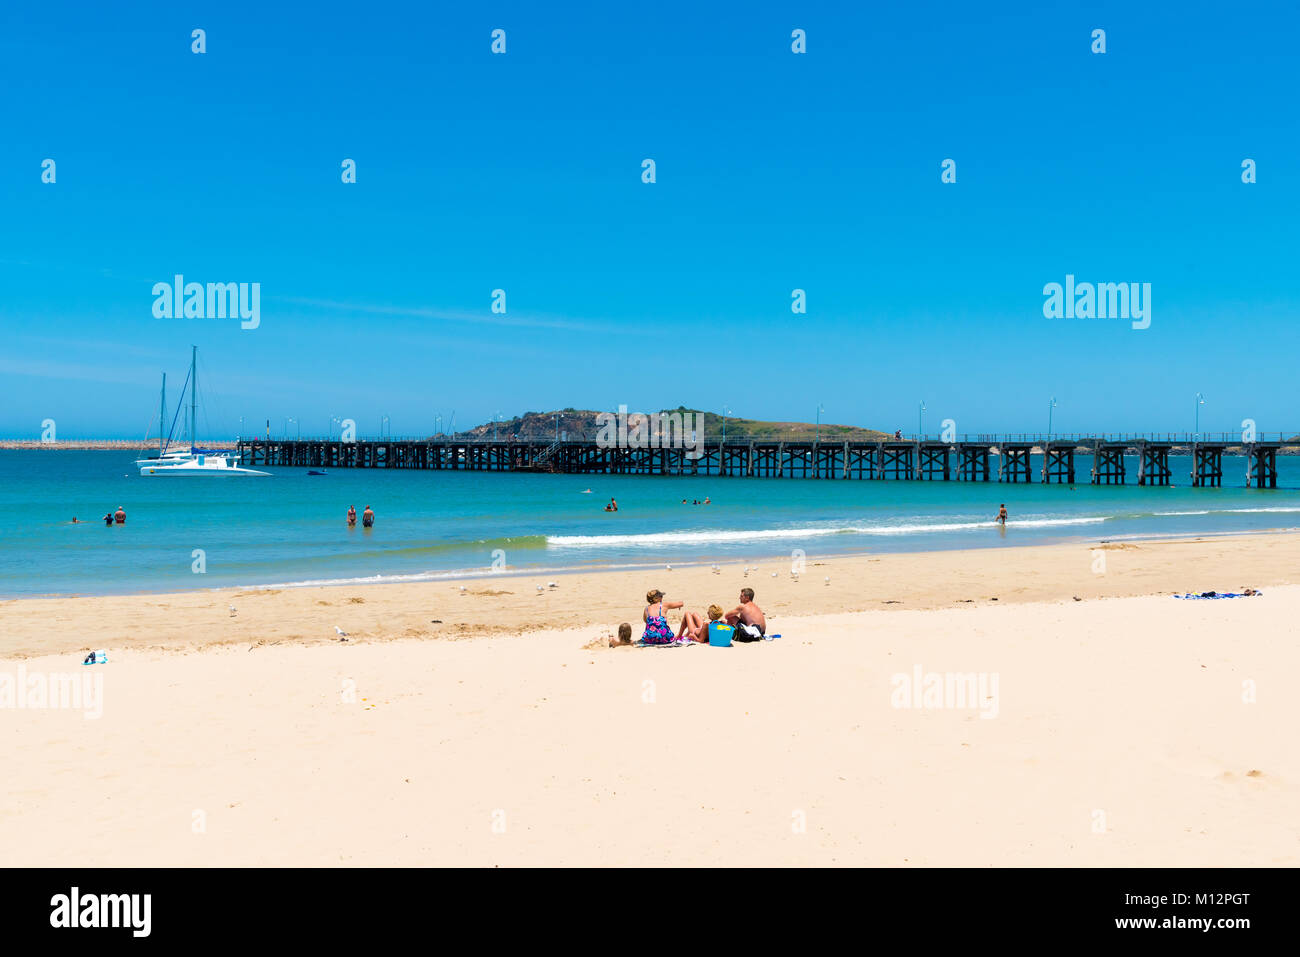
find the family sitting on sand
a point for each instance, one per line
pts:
(747, 619)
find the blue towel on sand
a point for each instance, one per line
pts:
(1221, 594)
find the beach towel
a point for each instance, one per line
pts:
(676, 643)
(1221, 594)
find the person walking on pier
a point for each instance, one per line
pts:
(352, 516)
(1002, 514)
(367, 518)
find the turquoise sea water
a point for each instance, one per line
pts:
(291, 528)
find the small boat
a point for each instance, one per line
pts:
(201, 464)
(314, 472)
(194, 461)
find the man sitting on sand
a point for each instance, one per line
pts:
(750, 622)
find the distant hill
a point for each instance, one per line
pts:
(581, 423)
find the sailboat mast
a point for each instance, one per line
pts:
(162, 417)
(194, 405)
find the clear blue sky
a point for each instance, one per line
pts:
(775, 171)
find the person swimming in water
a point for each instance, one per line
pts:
(108, 519)
(612, 506)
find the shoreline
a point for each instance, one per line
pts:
(516, 603)
(596, 568)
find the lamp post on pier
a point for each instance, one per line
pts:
(1050, 406)
(1200, 401)
(820, 410)
(920, 421)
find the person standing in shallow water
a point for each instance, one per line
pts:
(367, 518)
(1002, 514)
(352, 516)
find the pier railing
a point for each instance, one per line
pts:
(1290, 438)
(1012, 457)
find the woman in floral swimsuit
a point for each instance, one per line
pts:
(657, 629)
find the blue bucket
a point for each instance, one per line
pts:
(720, 634)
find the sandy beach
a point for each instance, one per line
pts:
(495, 726)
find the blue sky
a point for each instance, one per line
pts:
(775, 171)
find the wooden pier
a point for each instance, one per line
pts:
(968, 459)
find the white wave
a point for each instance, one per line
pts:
(719, 535)
(1226, 511)
(686, 538)
(376, 579)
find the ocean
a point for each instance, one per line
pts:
(291, 529)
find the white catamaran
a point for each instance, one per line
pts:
(192, 461)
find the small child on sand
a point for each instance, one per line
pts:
(624, 635)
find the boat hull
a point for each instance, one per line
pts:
(182, 471)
